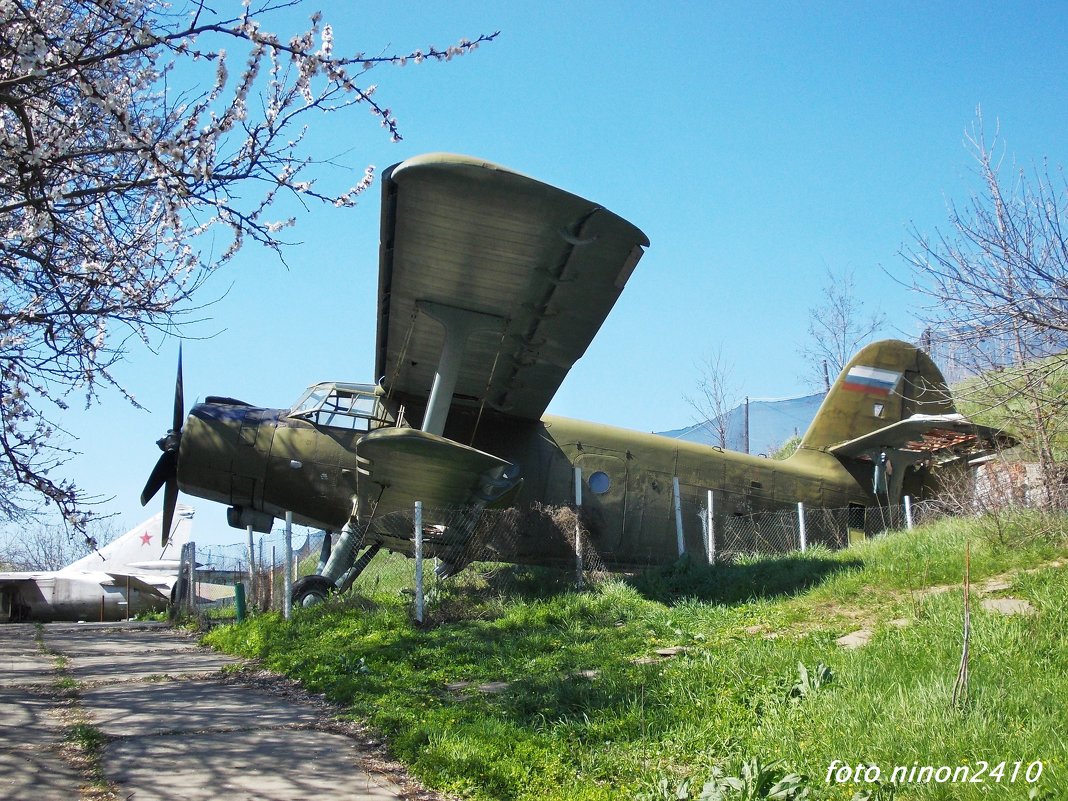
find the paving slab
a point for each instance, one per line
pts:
(37, 774)
(138, 709)
(275, 765)
(855, 639)
(26, 720)
(25, 669)
(138, 666)
(19, 638)
(1009, 606)
(174, 731)
(103, 643)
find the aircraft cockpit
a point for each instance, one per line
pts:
(353, 407)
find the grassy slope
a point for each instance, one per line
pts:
(554, 734)
(999, 399)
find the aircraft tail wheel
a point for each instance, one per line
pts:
(311, 590)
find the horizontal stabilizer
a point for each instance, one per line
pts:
(134, 583)
(938, 437)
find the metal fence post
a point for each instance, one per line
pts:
(678, 515)
(192, 578)
(239, 601)
(419, 562)
(711, 530)
(578, 526)
(801, 525)
(287, 600)
(251, 565)
(908, 513)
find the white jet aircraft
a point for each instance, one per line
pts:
(133, 574)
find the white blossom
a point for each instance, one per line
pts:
(115, 187)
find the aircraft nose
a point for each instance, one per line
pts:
(224, 451)
(210, 440)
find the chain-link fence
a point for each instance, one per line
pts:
(495, 550)
(500, 550)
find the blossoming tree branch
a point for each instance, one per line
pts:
(130, 131)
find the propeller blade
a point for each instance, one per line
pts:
(179, 396)
(166, 468)
(170, 500)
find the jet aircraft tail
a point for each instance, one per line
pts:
(885, 383)
(140, 549)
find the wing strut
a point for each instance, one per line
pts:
(459, 325)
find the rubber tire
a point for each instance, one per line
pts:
(311, 590)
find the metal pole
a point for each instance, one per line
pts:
(239, 601)
(747, 424)
(711, 532)
(678, 515)
(251, 564)
(908, 513)
(192, 578)
(801, 525)
(578, 526)
(287, 600)
(274, 566)
(419, 562)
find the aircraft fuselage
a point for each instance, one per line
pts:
(89, 597)
(265, 462)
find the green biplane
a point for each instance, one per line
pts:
(491, 286)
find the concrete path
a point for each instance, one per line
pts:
(170, 720)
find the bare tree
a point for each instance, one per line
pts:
(996, 286)
(51, 547)
(717, 394)
(837, 328)
(132, 165)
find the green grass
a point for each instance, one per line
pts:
(1008, 398)
(640, 727)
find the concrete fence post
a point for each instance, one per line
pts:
(579, 567)
(681, 542)
(287, 600)
(711, 531)
(418, 562)
(192, 578)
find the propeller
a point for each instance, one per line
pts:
(165, 473)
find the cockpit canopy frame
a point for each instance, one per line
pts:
(339, 404)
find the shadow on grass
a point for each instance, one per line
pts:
(735, 582)
(726, 582)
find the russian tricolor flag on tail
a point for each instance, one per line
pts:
(871, 380)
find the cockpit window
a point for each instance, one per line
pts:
(348, 406)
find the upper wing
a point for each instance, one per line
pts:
(942, 437)
(463, 233)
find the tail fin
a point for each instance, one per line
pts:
(140, 547)
(885, 383)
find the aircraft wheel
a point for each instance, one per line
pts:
(311, 590)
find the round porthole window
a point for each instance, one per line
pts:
(600, 482)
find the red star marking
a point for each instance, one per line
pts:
(146, 539)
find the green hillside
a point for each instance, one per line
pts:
(521, 688)
(1031, 402)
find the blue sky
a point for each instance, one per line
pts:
(758, 145)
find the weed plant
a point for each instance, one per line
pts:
(522, 688)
